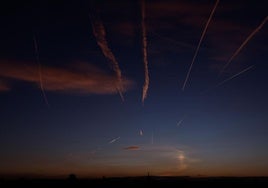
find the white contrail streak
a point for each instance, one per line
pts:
(180, 122)
(145, 59)
(39, 70)
(232, 77)
(244, 44)
(114, 140)
(228, 79)
(141, 132)
(100, 35)
(198, 46)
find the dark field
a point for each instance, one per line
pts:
(129, 182)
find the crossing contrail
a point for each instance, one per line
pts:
(39, 69)
(198, 46)
(244, 44)
(100, 35)
(145, 59)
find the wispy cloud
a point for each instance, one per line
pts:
(4, 86)
(82, 78)
(125, 28)
(145, 59)
(100, 35)
(183, 13)
(160, 9)
(132, 148)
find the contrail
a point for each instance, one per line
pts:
(114, 140)
(228, 79)
(244, 44)
(178, 43)
(39, 70)
(120, 92)
(141, 133)
(180, 122)
(200, 41)
(145, 60)
(232, 77)
(100, 35)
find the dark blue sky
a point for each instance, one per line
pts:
(211, 128)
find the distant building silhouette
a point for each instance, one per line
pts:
(72, 178)
(148, 176)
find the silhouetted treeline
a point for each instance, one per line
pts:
(136, 182)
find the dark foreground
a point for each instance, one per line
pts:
(137, 182)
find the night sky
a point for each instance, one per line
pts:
(74, 98)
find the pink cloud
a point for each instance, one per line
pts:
(132, 148)
(126, 28)
(82, 78)
(4, 86)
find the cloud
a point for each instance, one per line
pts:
(4, 86)
(186, 19)
(126, 28)
(80, 78)
(172, 13)
(160, 9)
(100, 35)
(132, 148)
(145, 56)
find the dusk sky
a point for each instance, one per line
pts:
(123, 88)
